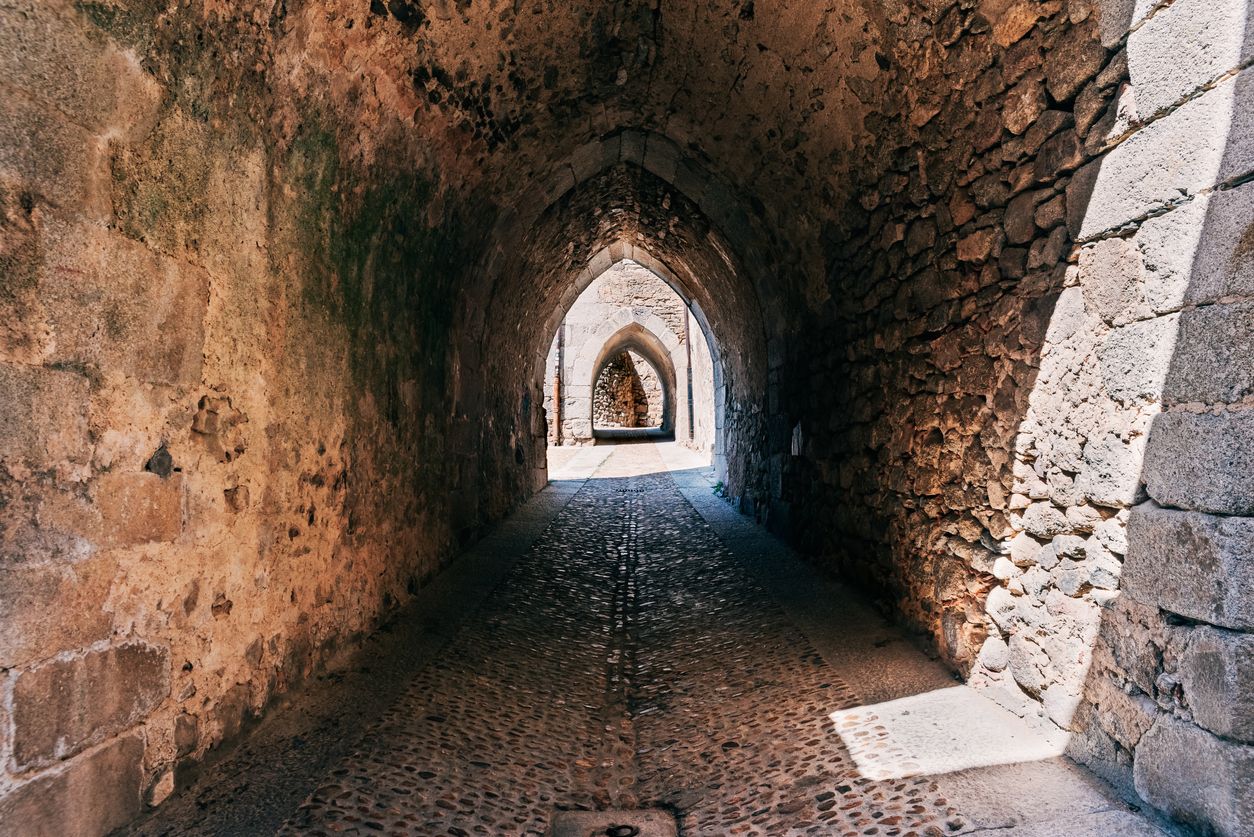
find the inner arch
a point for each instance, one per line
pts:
(626, 212)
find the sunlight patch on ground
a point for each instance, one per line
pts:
(937, 732)
(586, 461)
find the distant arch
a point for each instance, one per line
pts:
(647, 335)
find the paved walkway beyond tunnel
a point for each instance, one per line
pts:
(627, 641)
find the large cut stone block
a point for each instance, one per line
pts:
(1196, 565)
(1207, 140)
(1195, 777)
(56, 159)
(92, 795)
(1202, 461)
(43, 416)
(1217, 673)
(140, 507)
(65, 705)
(1214, 349)
(114, 303)
(74, 593)
(1136, 358)
(1223, 260)
(1184, 46)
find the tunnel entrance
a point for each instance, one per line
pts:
(629, 361)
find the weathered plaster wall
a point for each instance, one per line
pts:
(225, 447)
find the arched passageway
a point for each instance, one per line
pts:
(971, 281)
(628, 307)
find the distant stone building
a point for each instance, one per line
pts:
(629, 339)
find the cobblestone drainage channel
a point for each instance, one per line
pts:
(642, 823)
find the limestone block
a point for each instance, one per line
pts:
(1216, 672)
(64, 705)
(1019, 223)
(139, 507)
(1015, 22)
(1073, 61)
(58, 59)
(1185, 45)
(994, 654)
(1203, 142)
(1024, 549)
(592, 157)
(1118, 16)
(95, 794)
(1060, 153)
(75, 593)
(42, 521)
(1007, 610)
(1196, 565)
(1135, 359)
(1171, 253)
(1112, 533)
(115, 304)
(1112, 275)
(1044, 520)
(43, 417)
(661, 157)
(186, 733)
(1124, 717)
(977, 246)
(1169, 763)
(56, 159)
(1213, 353)
(1024, 103)
(1202, 461)
(1028, 664)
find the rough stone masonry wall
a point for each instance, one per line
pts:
(620, 398)
(1165, 305)
(945, 295)
(1010, 312)
(648, 409)
(225, 449)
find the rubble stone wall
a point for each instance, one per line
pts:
(621, 397)
(1039, 398)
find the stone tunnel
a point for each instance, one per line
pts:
(953, 528)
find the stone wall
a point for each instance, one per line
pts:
(1166, 282)
(1025, 293)
(649, 408)
(971, 278)
(224, 453)
(620, 398)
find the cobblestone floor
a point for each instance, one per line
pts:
(628, 660)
